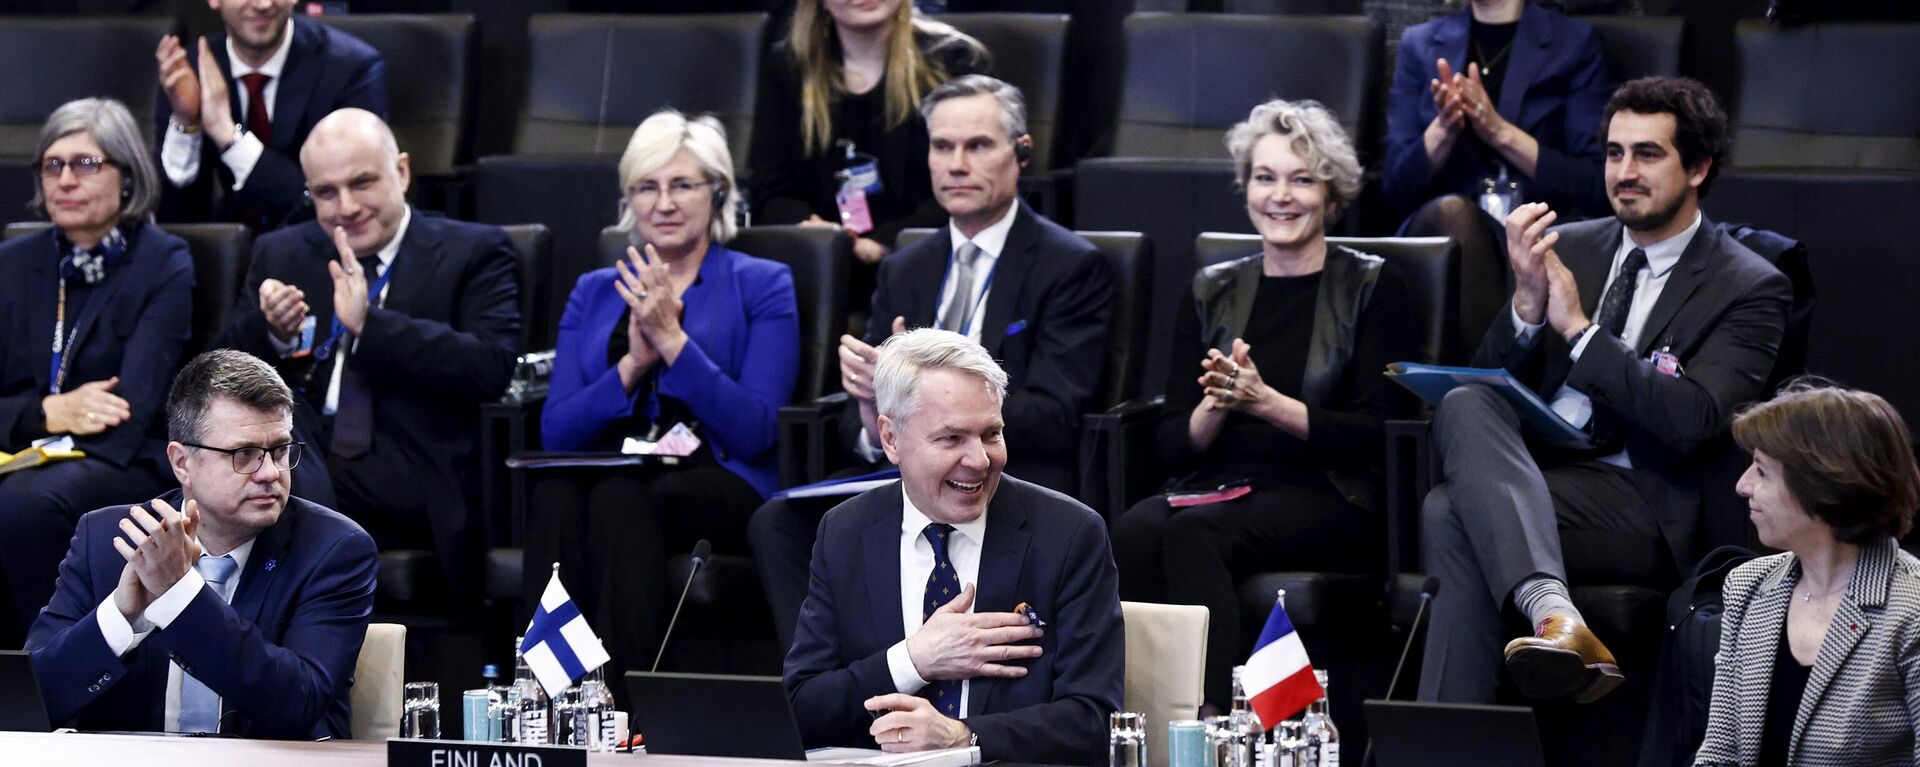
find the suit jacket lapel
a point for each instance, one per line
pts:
(414, 266)
(104, 295)
(1689, 274)
(924, 288)
(882, 541)
(1009, 279)
(1531, 43)
(1869, 586)
(1003, 559)
(1592, 273)
(1760, 634)
(42, 290)
(1450, 42)
(297, 81)
(264, 563)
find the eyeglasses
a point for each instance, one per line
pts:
(82, 166)
(247, 460)
(681, 191)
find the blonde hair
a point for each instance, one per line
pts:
(1317, 138)
(655, 143)
(816, 49)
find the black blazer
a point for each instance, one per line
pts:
(1045, 322)
(1722, 313)
(441, 344)
(1041, 548)
(326, 69)
(135, 326)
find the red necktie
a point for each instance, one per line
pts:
(258, 122)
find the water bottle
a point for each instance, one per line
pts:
(529, 702)
(1246, 722)
(1126, 739)
(1323, 739)
(1289, 744)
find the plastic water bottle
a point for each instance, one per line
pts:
(1323, 739)
(529, 703)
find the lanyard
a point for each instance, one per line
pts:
(966, 328)
(325, 348)
(62, 343)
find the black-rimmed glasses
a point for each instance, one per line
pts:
(247, 460)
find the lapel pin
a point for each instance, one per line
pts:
(271, 563)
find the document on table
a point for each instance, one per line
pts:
(950, 757)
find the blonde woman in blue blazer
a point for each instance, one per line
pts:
(682, 333)
(1819, 657)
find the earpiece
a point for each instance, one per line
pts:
(719, 195)
(1023, 149)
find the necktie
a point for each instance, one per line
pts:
(943, 584)
(960, 306)
(353, 413)
(1619, 301)
(259, 123)
(199, 705)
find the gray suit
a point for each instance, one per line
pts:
(1862, 700)
(1505, 513)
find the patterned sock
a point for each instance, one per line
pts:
(1541, 596)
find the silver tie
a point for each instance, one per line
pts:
(960, 306)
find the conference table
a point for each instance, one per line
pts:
(92, 750)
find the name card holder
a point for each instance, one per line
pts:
(407, 752)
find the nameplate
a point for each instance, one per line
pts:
(404, 752)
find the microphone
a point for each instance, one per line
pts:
(1428, 589)
(701, 551)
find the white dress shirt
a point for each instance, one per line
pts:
(180, 153)
(1573, 405)
(916, 566)
(122, 636)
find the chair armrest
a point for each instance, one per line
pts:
(807, 433)
(1117, 466)
(507, 427)
(1409, 475)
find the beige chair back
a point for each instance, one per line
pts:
(378, 680)
(1166, 660)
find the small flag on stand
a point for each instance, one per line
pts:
(1278, 678)
(559, 647)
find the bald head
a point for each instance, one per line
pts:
(357, 177)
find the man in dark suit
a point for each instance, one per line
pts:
(237, 124)
(225, 606)
(394, 327)
(1033, 293)
(896, 646)
(1684, 326)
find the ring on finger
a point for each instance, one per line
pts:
(93, 417)
(642, 294)
(900, 736)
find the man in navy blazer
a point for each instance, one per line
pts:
(225, 606)
(232, 131)
(957, 606)
(393, 327)
(1037, 297)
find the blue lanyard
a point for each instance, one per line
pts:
(985, 287)
(325, 348)
(57, 371)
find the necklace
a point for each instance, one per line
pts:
(1808, 595)
(1487, 64)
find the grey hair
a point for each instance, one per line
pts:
(113, 128)
(1013, 106)
(232, 374)
(896, 376)
(661, 136)
(1317, 138)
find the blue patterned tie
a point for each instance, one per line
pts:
(199, 705)
(943, 584)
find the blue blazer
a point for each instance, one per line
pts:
(135, 326)
(736, 371)
(1042, 548)
(281, 656)
(326, 69)
(1555, 88)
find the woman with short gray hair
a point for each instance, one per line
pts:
(1281, 430)
(100, 306)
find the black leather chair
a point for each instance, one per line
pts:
(575, 197)
(56, 60)
(1029, 51)
(220, 252)
(1295, 7)
(593, 77)
(1191, 76)
(430, 60)
(533, 245)
(1640, 46)
(1827, 96)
